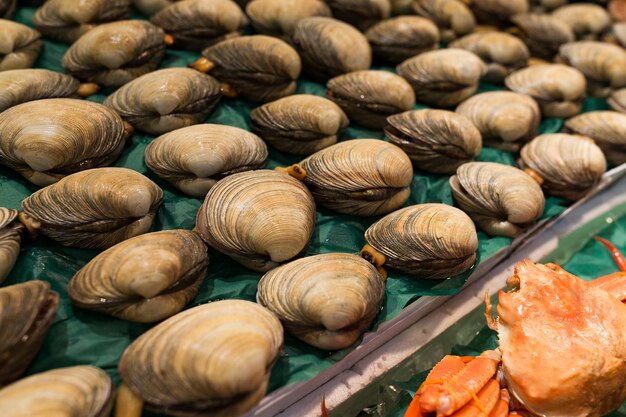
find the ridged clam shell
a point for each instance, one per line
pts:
(619, 30)
(541, 6)
(325, 300)
(77, 391)
(436, 140)
(10, 238)
(114, 53)
(144, 279)
(45, 140)
(259, 218)
(329, 47)
(402, 37)
(453, 17)
(363, 177)
(570, 165)
(606, 128)
(617, 100)
(369, 97)
(588, 21)
(498, 12)
(96, 208)
(150, 7)
(504, 119)
(214, 359)
(443, 77)
(166, 99)
(360, 13)
(558, 89)
(19, 45)
(196, 157)
(501, 199)
(26, 312)
(279, 17)
(543, 34)
(7, 7)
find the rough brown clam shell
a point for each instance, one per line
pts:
(617, 100)
(7, 7)
(19, 45)
(400, 7)
(606, 128)
(10, 237)
(150, 7)
(453, 17)
(402, 37)
(542, 6)
(195, 158)
(543, 34)
(279, 17)
(587, 20)
(497, 12)
(360, 13)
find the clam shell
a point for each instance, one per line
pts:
(399, 7)
(619, 30)
(443, 77)
(300, 124)
(166, 99)
(114, 53)
(570, 165)
(325, 300)
(19, 45)
(360, 13)
(329, 47)
(78, 391)
(363, 177)
(436, 140)
(96, 208)
(501, 199)
(150, 7)
(279, 17)
(541, 6)
(588, 21)
(369, 97)
(196, 157)
(26, 313)
(402, 37)
(214, 359)
(259, 218)
(498, 12)
(7, 7)
(144, 279)
(558, 89)
(427, 240)
(543, 34)
(617, 100)
(504, 119)
(10, 238)
(453, 17)
(606, 128)
(45, 140)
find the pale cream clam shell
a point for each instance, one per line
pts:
(453, 17)
(360, 13)
(542, 33)
(19, 45)
(617, 100)
(279, 17)
(10, 237)
(606, 128)
(402, 37)
(587, 20)
(497, 12)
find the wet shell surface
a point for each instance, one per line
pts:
(96, 208)
(437, 141)
(300, 124)
(426, 240)
(77, 391)
(19, 45)
(45, 140)
(279, 17)
(606, 128)
(360, 13)
(501, 199)
(543, 34)
(150, 7)
(10, 237)
(619, 30)
(369, 97)
(402, 37)
(144, 279)
(498, 12)
(259, 218)
(453, 17)
(115, 53)
(329, 47)
(194, 158)
(617, 100)
(213, 341)
(325, 300)
(26, 313)
(363, 177)
(443, 77)
(166, 99)
(588, 21)
(569, 165)
(7, 7)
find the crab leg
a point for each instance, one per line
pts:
(484, 403)
(614, 283)
(617, 255)
(502, 408)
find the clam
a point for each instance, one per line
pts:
(258, 67)
(617, 100)
(504, 119)
(45, 140)
(19, 45)
(325, 300)
(444, 77)
(437, 141)
(329, 47)
(588, 21)
(279, 17)
(606, 128)
(26, 313)
(619, 31)
(10, 231)
(194, 158)
(558, 89)
(166, 99)
(402, 37)
(77, 391)
(259, 218)
(566, 165)
(541, 6)
(543, 34)
(114, 53)
(427, 240)
(399, 7)
(7, 7)
(68, 20)
(300, 124)
(150, 7)
(360, 13)
(453, 17)
(498, 12)
(363, 177)
(197, 24)
(368, 97)
(96, 208)
(501, 52)
(502, 200)
(144, 279)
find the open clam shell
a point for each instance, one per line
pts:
(437, 141)
(497, 12)
(501, 199)
(19, 45)
(325, 300)
(150, 7)
(279, 17)
(10, 237)
(196, 157)
(360, 13)
(453, 17)
(606, 128)
(402, 37)
(617, 100)
(588, 21)
(543, 34)
(96, 208)
(7, 7)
